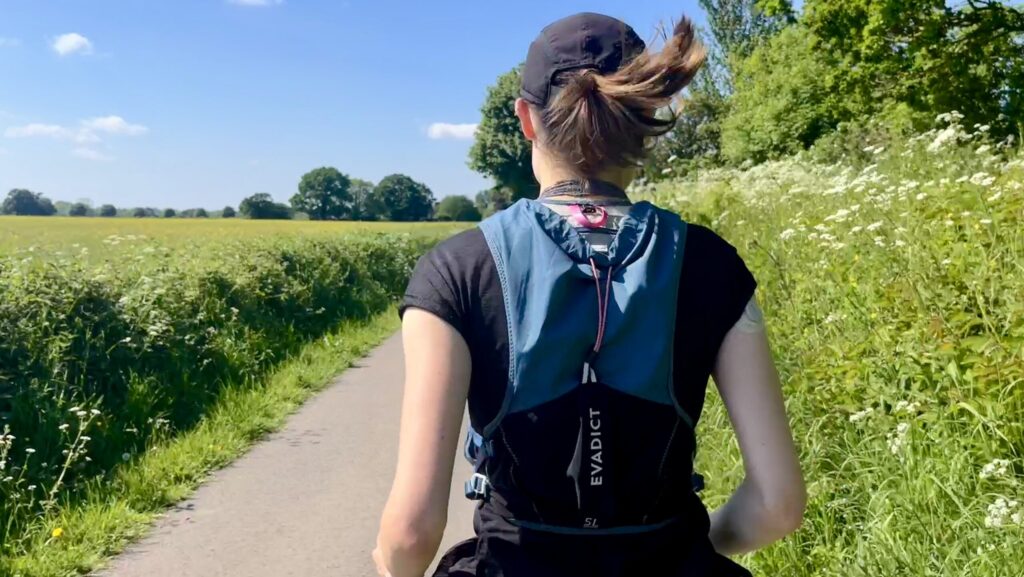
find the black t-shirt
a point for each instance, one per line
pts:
(458, 282)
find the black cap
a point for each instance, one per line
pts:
(585, 40)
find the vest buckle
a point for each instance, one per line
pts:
(478, 488)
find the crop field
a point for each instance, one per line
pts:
(893, 289)
(68, 236)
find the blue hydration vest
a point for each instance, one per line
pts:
(590, 438)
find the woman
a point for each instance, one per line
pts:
(582, 330)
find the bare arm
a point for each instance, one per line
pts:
(770, 502)
(437, 373)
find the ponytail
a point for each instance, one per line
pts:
(597, 122)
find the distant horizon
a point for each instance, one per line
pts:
(205, 103)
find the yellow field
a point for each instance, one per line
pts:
(101, 234)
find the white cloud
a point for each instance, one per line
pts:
(9, 42)
(113, 125)
(91, 154)
(255, 2)
(440, 130)
(31, 130)
(87, 131)
(67, 44)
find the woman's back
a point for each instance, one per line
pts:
(568, 456)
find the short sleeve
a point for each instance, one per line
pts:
(715, 287)
(733, 284)
(446, 281)
(431, 289)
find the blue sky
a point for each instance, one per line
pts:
(182, 103)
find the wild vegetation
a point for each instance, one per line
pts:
(102, 354)
(891, 283)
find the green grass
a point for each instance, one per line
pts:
(893, 290)
(116, 510)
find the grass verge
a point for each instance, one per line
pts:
(80, 537)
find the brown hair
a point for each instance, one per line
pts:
(597, 122)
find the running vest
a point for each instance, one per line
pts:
(590, 438)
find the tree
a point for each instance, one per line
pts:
(79, 209)
(262, 206)
(500, 150)
(143, 212)
(200, 213)
(108, 210)
(170, 213)
(228, 212)
(365, 205)
(782, 102)
(323, 194)
(933, 55)
(739, 26)
(403, 199)
(24, 202)
(457, 208)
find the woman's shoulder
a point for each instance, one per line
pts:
(460, 252)
(701, 240)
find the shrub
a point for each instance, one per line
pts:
(96, 361)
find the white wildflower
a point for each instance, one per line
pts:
(899, 243)
(64, 427)
(875, 226)
(947, 262)
(82, 414)
(897, 438)
(983, 179)
(998, 511)
(983, 149)
(995, 196)
(30, 451)
(94, 412)
(943, 138)
(861, 415)
(126, 456)
(962, 179)
(997, 468)
(907, 407)
(786, 234)
(667, 170)
(986, 221)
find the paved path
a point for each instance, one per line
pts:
(303, 503)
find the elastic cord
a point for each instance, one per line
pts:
(602, 302)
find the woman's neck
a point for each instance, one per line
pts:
(549, 174)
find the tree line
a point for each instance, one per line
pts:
(323, 194)
(781, 80)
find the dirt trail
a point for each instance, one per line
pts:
(306, 501)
